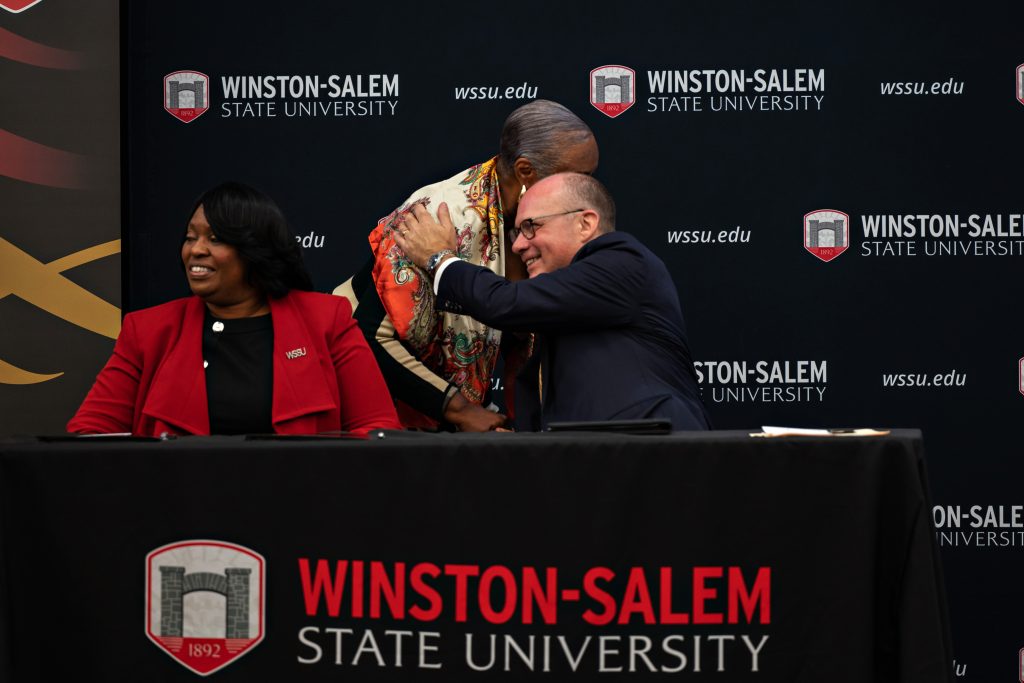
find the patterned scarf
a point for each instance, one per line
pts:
(455, 347)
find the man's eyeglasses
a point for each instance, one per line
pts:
(529, 226)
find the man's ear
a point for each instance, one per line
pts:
(526, 174)
(590, 225)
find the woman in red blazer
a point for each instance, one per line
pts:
(253, 351)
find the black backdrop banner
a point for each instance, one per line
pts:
(834, 187)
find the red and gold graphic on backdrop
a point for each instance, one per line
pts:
(24, 160)
(17, 6)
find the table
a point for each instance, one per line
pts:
(471, 557)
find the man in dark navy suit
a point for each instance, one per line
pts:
(610, 338)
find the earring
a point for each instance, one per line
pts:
(522, 192)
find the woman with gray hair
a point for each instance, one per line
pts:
(439, 366)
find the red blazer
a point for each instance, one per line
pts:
(154, 382)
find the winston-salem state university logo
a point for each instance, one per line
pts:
(204, 602)
(186, 95)
(1020, 83)
(826, 233)
(18, 5)
(612, 89)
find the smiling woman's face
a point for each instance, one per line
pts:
(214, 269)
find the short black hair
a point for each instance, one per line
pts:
(540, 131)
(591, 193)
(252, 223)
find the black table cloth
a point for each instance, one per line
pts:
(473, 557)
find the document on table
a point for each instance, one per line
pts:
(799, 431)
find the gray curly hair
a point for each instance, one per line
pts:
(540, 131)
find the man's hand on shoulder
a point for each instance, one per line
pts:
(420, 236)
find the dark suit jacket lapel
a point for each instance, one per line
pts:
(177, 393)
(300, 389)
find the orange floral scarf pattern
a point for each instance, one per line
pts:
(455, 347)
